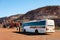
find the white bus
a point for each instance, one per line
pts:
(39, 26)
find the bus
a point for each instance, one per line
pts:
(39, 26)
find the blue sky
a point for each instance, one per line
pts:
(12, 7)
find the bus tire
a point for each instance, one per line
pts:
(24, 31)
(36, 31)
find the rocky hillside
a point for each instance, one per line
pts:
(3, 18)
(52, 12)
(13, 17)
(44, 12)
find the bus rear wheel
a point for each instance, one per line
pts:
(24, 31)
(36, 31)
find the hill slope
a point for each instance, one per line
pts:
(52, 12)
(44, 12)
(12, 17)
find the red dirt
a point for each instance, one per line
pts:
(8, 34)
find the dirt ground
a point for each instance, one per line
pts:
(13, 34)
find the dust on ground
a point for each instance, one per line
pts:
(13, 34)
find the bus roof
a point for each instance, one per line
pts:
(37, 20)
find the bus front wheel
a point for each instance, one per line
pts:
(24, 31)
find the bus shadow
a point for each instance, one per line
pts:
(30, 33)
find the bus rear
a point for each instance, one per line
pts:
(50, 26)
